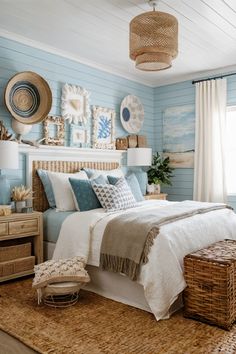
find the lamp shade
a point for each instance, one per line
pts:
(8, 154)
(153, 40)
(139, 157)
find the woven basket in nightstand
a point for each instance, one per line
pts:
(210, 275)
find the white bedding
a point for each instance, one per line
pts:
(162, 277)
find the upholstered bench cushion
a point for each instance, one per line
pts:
(53, 271)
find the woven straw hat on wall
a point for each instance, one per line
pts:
(28, 97)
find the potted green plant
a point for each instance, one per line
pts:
(159, 173)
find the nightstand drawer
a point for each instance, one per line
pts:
(23, 227)
(3, 229)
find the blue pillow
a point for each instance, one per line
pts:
(84, 194)
(90, 171)
(132, 183)
(47, 184)
(142, 179)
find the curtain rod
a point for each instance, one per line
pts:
(212, 78)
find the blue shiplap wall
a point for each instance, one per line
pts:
(106, 90)
(178, 95)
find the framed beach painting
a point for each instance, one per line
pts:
(179, 136)
(103, 128)
(79, 136)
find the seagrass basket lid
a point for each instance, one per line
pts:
(28, 97)
(221, 252)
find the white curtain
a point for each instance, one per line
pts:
(209, 165)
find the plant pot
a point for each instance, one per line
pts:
(20, 205)
(157, 188)
(151, 188)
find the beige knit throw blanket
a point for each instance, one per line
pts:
(128, 237)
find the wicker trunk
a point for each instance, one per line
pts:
(210, 275)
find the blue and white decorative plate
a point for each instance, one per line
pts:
(131, 114)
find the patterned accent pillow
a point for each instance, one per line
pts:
(52, 271)
(132, 183)
(115, 197)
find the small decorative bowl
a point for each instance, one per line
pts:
(5, 210)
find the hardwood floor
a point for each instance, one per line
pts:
(11, 345)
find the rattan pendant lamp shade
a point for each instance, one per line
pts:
(153, 40)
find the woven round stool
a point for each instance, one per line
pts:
(61, 294)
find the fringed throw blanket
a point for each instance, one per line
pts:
(128, 237)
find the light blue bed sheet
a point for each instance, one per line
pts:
(52, 221)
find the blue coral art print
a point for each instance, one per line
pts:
(104, 128)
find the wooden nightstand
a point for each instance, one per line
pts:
(19, 228)
(161, 196)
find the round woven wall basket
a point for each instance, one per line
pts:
(28, 97)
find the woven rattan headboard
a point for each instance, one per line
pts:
(40, 202)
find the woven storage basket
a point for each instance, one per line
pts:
(61, 294)
(8, 253)
(210, 274)
(17, 266)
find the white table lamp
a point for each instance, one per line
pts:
(9, 159)
(139, 157)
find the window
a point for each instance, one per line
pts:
(231, 150)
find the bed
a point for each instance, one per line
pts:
(141, 294)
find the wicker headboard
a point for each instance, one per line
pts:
(40, 202)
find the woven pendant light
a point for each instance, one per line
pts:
(153, 40)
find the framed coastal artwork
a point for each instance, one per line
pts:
(79, 136)
(179, 136)
(103, 128)
(54, 130)
(75, 104)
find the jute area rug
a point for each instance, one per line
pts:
(97, 325)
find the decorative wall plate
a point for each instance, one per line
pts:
(28, 97)
(131, 114)
(75, 104)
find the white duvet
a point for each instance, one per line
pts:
(162, 277)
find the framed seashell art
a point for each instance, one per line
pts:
(79, 136)
(54, 131)
(75, 104)
(103, 128)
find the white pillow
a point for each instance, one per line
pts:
(115, 197)
(63, 194)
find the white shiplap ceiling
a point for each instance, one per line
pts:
(97, 32)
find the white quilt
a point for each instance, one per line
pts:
(162, 277)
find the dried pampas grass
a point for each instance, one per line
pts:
(21, 193)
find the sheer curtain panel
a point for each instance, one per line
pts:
(209, 166)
